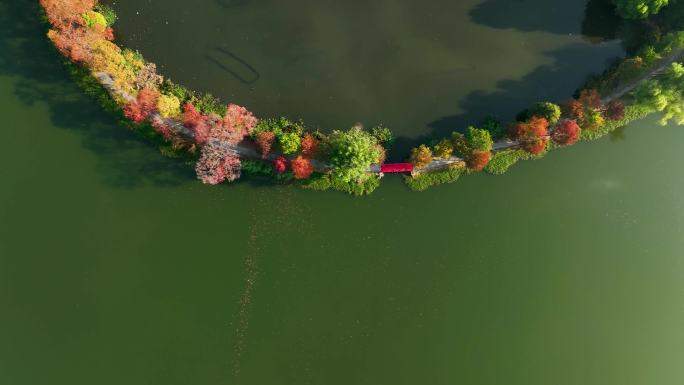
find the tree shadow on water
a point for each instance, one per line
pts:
(553, 82)
(124, 159)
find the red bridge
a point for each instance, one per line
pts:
(396, 167)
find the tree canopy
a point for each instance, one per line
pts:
(639, 9)
(351, 153)
(664, 94)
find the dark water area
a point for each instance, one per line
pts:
(423, 69)
(117, 267)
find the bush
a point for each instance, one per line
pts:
(170, 88)
(107, 12)
(502, 160)
(321, 182)
(318, 182)
(168, 106)
(383, 135)
(421, 156)
(255, 167)
(289, 142)
(424, 181)
(443, 149)
(632, 113)
(208, 103)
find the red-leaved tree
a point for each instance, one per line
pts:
(615, 110)
(235, 125)
(264, 140)
(280, 165)
(143, 106)
(162, 128)
(573, 109)
(590, 98)
(301, 167)
(309, 145)
(478, 160)
(532, 134)
(566, 133)
(195, 121)
(217, 165)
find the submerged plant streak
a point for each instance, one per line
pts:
(251, 271)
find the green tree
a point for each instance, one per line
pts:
(639, 9)
(443, 149)
(665, 94)
(479, 139)
(351, 153)
(383, 135)
(289, 142)
(421, 156)
(550, 111)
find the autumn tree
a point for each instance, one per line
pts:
(264, 141)
(478, 160)
(301, 167)
(590, 98)
(474, 147)
(168, 106)
(309, 145)
(143, 106)
(443, 149)
(163, 128)
(421, 156)
(236, 124)
(147, 76)
(615, 110)
(592, 120)
(566, 133)
(280, 165)
(217, 165)
(532, 135)
(572, 109)
(196, 122)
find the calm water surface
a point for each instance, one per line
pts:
(116, 267)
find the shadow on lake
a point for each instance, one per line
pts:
(556, 82)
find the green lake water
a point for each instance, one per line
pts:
(117, 267)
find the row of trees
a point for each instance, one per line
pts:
(350, 153)
(532, 130)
